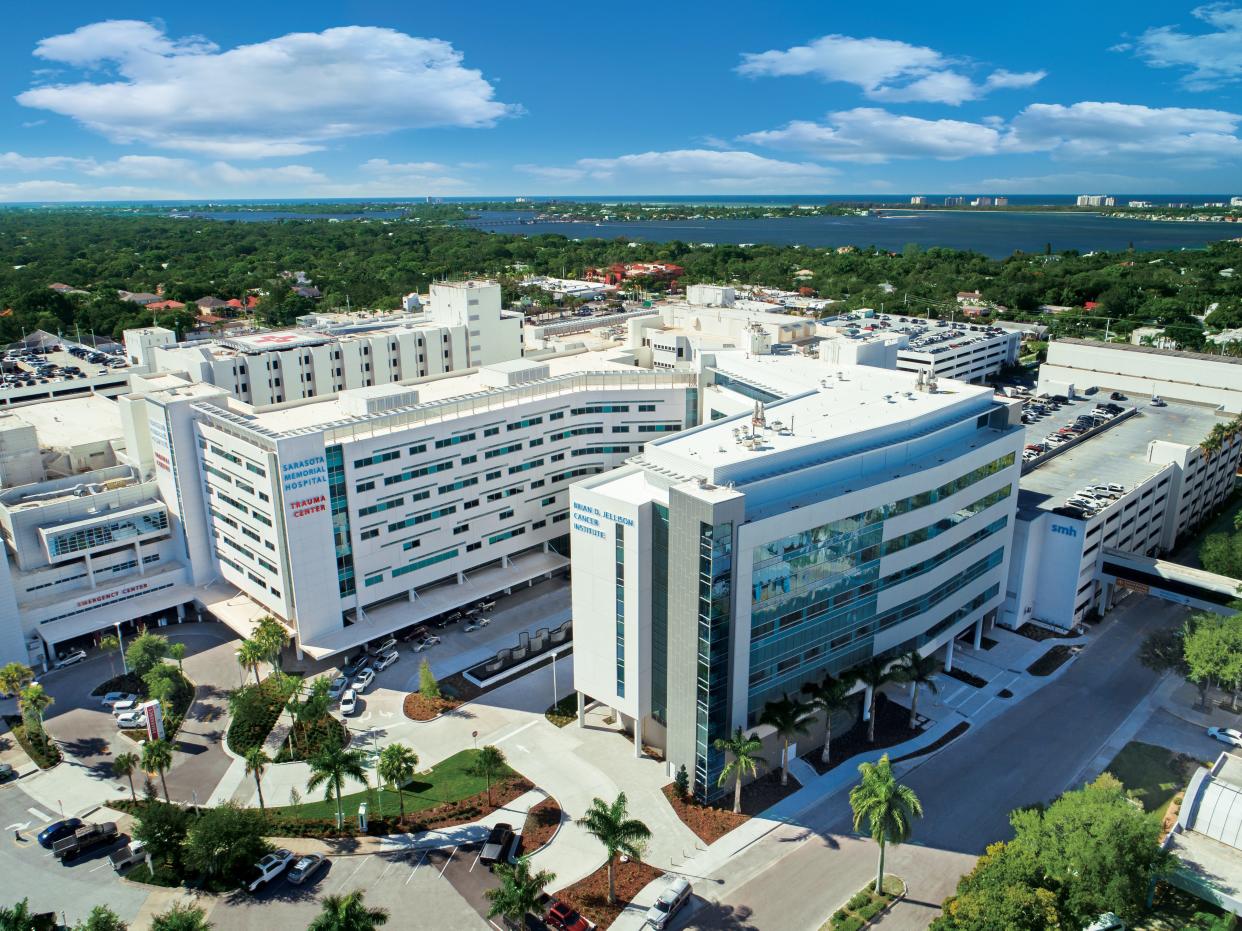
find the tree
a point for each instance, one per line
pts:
(519, 892)
(886, 806)
(396, 768)
(331, 768)
(347, 913)
(790, 718)
(177, 652)
(256, 765)
(33, 701)
(162, 828)
(918, 670)
(14, 677)
(224, 841)
(1002, 891)
(249, 655)
(682, 782)
(144, 652)
(873, 674)
(744, 748)
(828, 697)
(18, 917)
(157, 757)
(1222, 553)
(617, 832)
(111, 644)
(427, 685)
(124, 764)
(272, 636)
(101, 918)
(163, 685)
(489, 762)
(182, 918)
(1212, 648)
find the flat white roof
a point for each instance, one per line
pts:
(74, 421)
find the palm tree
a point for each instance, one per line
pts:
(33, 701)
(619, 834)
(109, 643)
(177, 652)
(888, 807)
(489, 762)
(790, 718)
(396, 768)
(124, 764)
(256, 765)
(519, 892)
(874, 674)
(14, 677)
(348, 913)
(746, 761)
(18, 917)
(330, 768)
(182, 918)
(249, 655)
(919, 670)
(272, 636)
(157, 756)
(829, 696)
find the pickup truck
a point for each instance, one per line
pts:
(84, 839)
(131, 854)
(496, 848)
(268, 869)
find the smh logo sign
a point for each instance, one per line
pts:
(1065, 530)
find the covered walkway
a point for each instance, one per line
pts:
(1195, 588)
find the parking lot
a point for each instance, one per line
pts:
(431, 889)
(31, 367)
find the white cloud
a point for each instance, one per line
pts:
(1212, 58)
(1084, 130)
(13, 161)
(682, 169)
(286, 96)
(885, 69)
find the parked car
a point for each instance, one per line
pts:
(670, 900)
(131, 719)
(1116, 396)
(128, 706)
(58, 830)
(363, 680)
(71, 658)
(112, 698)
(267, 869)
(1106, 922)
(496, 849)
(1157, 401)
(131, 854)
(565, 918)
(7, 772)
(306, 867)
(338, 687)
(382, 648)
(349, 703)
(354, 666)
(1226, 735)
(386, 660)
(84, 839)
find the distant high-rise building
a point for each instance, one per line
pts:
(981, 202)
(919, 200)
(954, 201)
(1001, 201)
(1096, 200)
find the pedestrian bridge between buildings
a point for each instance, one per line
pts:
(1195, 588)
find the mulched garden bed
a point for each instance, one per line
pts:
(961, 675)
(1035, 632)
(956, 731)
(44, 751)
(589, 896)
(312, 736)
(892, 726)
(418, 707)
(456, 690)
(542, 822)
(1051, 661)
(712, 822)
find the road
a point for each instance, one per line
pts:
(1030, 753)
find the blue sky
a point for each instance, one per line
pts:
(258, 99)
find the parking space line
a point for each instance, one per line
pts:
(41, 815)
(362, 861)
(395, 861)
(416, 866)
(477, 856)
(449, 859)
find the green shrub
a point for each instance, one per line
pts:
(848, 923)
(859, 900)
(255, 710)
(869, 911)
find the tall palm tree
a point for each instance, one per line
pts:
(396, 768)
(157, 756)
(331, 767)
(519, 892)
(790, 718)
(888, 808)
(33, 701)
(348, 913)
(272, 636)
(182, 918)
(489, 762)
(620, 834)
(874, 674)
(124, 764)
(746, 761)
(14, 677)
(918, 669)
(829, 696)
(256, 765)
(249, 655)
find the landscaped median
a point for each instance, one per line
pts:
(865, 905)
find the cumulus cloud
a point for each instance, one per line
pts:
(405, 179)
(885, 69)
(690, 168)
(1084, 130)
(13, 161)
(1212, 59)
(286, 96)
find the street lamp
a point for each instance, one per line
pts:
(120, 641)
(555, 691)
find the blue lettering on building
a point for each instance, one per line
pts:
(1063, 529)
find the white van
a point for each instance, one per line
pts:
(671, 899)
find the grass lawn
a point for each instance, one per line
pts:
(447, 781)
(1151, 774)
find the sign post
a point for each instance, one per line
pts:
(153, 714)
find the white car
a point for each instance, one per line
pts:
(129, 706)
(131, 719)
(70, 659)
(363, 680)
(112, 698)
(671, 899)
(349, 703)
(1226, 735)
(387, 660)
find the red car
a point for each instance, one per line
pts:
(562, 916)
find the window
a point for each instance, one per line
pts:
(522, 424)
(455, 440)
(506, 513)
(370, 534)
(377, 458)
(467, 460)
(365, 486)
(491, 431)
